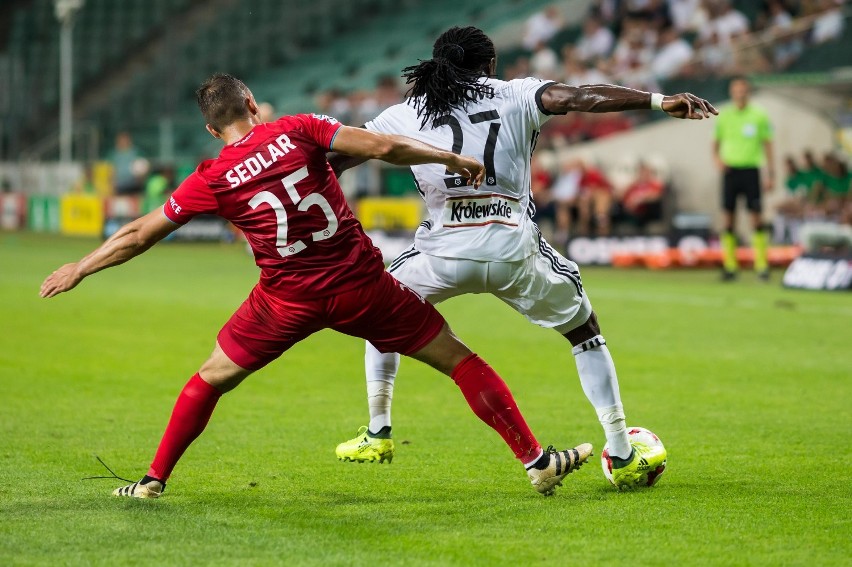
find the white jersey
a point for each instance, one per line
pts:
(492, 223)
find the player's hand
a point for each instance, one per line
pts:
(65, 278)
(768, 183)
(687, 105)
(468, 168)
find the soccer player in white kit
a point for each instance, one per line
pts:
(484, 240)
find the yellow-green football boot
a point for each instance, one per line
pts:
(641, 469)
(367, 447)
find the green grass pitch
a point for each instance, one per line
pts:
(748, 385)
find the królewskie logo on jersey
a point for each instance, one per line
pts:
(481, 210)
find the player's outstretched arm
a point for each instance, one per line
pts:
(561, 99)
(401, 150)
(131, 240)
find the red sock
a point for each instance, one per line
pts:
(492, 402)
(192, 411)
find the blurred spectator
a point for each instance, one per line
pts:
(333, 103)
(795, 180)
(632, 50)
(778, 16)
(594, 202)
(124, 159)
(726, 22)
(569, 129)
(520, 69)
(642, 201)
(829, 24)
(673, 54)
(565, 193)
(595, 42)
(827, 214)
(687, 15)
(602, 125)
(158, 184)
(575, 74)
(609, 12)
(266, 112)
(369, 104)
(788, 46)
(541, 27)
(812, 176)
(387, 91)
(714, 56)
(540, 182)
(651, 10)
(791, 211)
(836, 181)
(632, 61)
(544, 64)
(85, 184)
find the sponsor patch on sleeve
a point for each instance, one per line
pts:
(331, 120)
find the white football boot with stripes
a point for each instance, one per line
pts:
(150, 489)
(545, 476)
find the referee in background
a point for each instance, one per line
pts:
(743, 142)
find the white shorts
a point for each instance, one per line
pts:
(545, 287)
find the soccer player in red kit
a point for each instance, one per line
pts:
(318, 270)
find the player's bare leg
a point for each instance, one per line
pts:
(491, 401)
(192, 411)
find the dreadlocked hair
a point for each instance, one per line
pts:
(460, 57)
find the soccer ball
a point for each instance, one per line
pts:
(648, 473)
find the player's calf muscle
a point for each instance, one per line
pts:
(585, 331)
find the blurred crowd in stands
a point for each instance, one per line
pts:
(639, 43)
(576, 197)
(818, 190)
(359, 107)
(635, 43)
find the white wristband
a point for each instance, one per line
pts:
(657, 101)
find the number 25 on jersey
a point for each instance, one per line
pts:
(315, 199)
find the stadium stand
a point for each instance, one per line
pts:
(286, 50)
(137, 62)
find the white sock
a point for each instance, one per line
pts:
(381, 370)
(600, 384)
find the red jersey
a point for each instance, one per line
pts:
(594, 180)
(642, 192)
(276, 185)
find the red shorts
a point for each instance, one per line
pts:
(384, 312)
